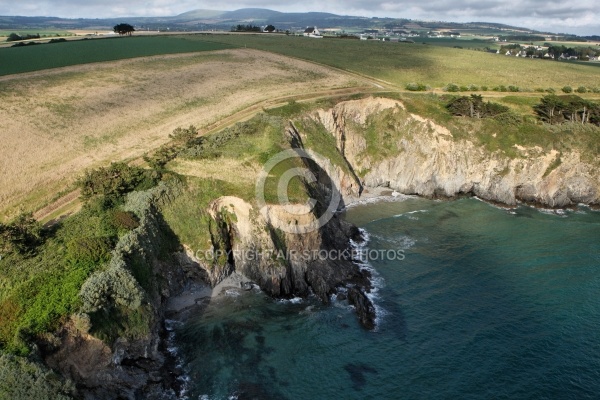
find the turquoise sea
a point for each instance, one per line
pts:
(487, 303)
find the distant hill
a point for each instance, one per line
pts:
(251, 13)
(198, 14)
(223, 20)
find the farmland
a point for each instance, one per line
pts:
(56, 123)
(436, 66)
(36, 58)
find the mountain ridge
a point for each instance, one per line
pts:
(217, 19)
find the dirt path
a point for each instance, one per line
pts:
(55, 124)
(70, 202)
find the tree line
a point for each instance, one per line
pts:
(552, 109)
(555, 109)
(14, 37)
(252, 28)
(554, 51)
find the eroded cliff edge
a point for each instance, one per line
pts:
(374, 142)
(424, 158)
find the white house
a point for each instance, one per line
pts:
(312, 32)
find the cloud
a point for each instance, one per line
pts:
(551, 15)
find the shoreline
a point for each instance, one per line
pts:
(382, 194)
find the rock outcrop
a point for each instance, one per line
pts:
(429, 162)
(283, 264)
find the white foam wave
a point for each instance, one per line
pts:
(294, 300)
(402, 242)
(559, 212)
(232, 293)
(381, 199)
(175, 352)
(495, 205)
(377, 281)
(410, 213)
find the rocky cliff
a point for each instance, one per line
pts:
(426, 160)
(283, 264)
(413, 156)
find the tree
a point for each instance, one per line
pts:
(270, 28)
(550, 109)
(13, 37)
(558, 109)
(474, 107)
(124, 29)
(115, 180)
(22, 236)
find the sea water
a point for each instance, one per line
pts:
(485, 303)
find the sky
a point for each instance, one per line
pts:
(580, 17)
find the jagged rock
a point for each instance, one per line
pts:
(283, 264)
(364, 307)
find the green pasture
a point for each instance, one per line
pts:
(436, 63)
(436, 66)
(465, 43)
(14, 60)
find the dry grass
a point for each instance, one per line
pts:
(56, 123)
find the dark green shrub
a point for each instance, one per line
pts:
(513, 88)
(474, 107)
(581, 89)
(508, 118)
(90, 250)
(116, 180)
(416, 87)
(111, 324)
(184, 136)
(162, 156)
(567, 89)
(451, 87)
(124, 220)
(22, 236)
(22, 379)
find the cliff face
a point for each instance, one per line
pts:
(283, 264)
(418, 157)
(428, 161)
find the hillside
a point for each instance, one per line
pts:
(223, 20)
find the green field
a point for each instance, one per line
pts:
(465, 42)
(44, 56)
(436, 66)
